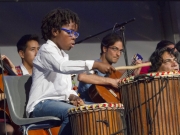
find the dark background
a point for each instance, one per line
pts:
(155, 20)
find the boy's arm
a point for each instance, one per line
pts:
(95, 79)
(103, 68)
(51, 60)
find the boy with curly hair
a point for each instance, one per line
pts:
(51, 93)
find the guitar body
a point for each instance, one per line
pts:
(105, 93)
(54, 131)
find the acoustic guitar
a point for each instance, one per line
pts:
(106, 93)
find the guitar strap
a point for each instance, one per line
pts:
(19, 70)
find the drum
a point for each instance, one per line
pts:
(98, 119)
(152, 103)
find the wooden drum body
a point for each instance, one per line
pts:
(97, 119)
(152, 104)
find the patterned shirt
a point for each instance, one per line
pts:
(19, 71)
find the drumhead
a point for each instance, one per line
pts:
(94, 107)
(154, 75)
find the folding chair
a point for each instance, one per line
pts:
(17, 92)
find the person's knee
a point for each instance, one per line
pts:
(9, 129)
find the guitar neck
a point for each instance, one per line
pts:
(128, 72)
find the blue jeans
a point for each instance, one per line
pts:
(55, 108)
(58, 109)
(83, 91)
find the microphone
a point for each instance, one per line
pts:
(119, 26)
(124, 23)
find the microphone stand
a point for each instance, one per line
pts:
(117, 26)
(121, 28)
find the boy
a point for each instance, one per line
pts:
(51, 92)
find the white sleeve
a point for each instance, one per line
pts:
(54, 61)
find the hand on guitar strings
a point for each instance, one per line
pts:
(75, 100)
(115, 83)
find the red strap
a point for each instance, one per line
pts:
(19, 71)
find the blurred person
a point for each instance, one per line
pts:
(164, 59)
(160, 45)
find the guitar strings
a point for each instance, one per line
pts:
(125, 74)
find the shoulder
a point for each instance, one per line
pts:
(47, 49)
(97, 72)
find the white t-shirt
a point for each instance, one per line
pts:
(51, 76)
(24, 70)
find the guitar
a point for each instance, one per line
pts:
(106, 93)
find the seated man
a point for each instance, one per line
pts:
(164, 59)
(27, 47)
(111, 51)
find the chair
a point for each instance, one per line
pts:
(17, 92)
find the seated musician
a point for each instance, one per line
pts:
(160, 45)
(27, 47)
(164, 59)
(111, 51)
(51, 93)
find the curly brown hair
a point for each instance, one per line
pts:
(157, 60)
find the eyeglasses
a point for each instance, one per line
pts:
(115, 49)
(170, 60)
(71, 32)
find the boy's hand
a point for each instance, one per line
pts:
(75, 100)
(103, 68)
